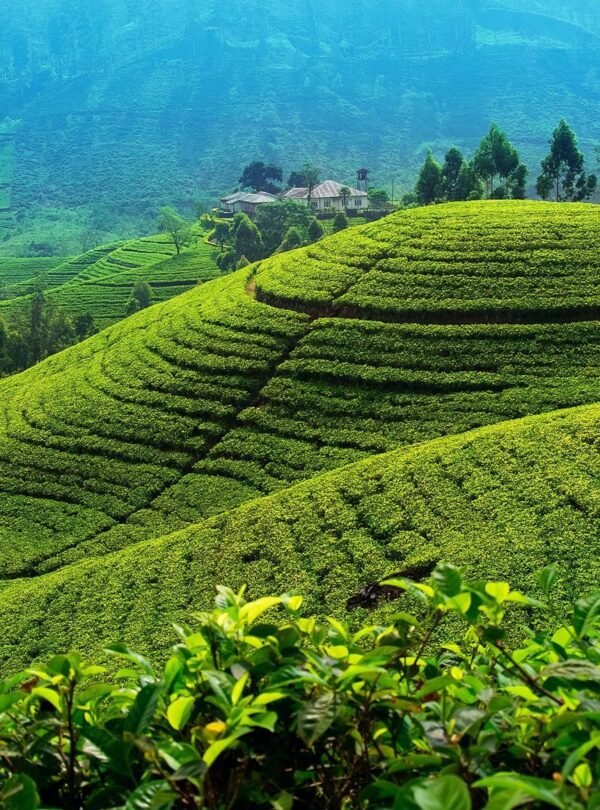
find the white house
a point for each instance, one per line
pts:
(327, 196)
(248, 203)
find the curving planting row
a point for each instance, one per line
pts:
(100, 282)
(478, 262)
(96, 432)
(501, 502)
(215, 398)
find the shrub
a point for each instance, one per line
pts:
(291, 241)
(315, 231)
(259, 708)
(340, 222)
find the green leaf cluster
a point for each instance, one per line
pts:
(259, 705)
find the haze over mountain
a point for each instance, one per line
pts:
(125, 104)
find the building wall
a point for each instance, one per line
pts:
(336, 204)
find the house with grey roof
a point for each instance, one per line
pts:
(246, 202)
(328, 196)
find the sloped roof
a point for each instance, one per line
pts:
(295, 194)
(329, 189)
(245, 196)
(232, 198)
(332, 189)
(260, 197)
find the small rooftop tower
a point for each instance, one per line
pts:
(362, 182)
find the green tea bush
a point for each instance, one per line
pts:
(477, 262)
(500, 502)
(259, 706)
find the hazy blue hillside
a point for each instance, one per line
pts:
(125, 103)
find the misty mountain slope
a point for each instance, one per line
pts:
(133, 103)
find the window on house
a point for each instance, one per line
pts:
(327, 204)
(314, 204)
(358, 202)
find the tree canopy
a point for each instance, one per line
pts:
(297, 180)
(451, 186)
(140, 298)
(429, 181)
(340, 221)
(459, 179)
(275, 220)
(259, 176)
(312, 176)
(247, 239)
(172, 223)
(495, 158)
(378, 198)
(563, 169)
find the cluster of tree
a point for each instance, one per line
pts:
(37, 331)
(140, 298)
(41, 329)
(260, 176)
(174, 225)
(563, 173)
(496, 172)
(279, 226)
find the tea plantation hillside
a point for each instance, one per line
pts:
(100, 282)
(21, 275)
(502, 501)
(16, 271)
(217, 397)
(505, 262)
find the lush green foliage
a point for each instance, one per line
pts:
(495, 159)
(502, 502)
(258, 708)
(428, 187)
(277, 228)
(119, 115)
(259, 177)
(100, 282)
(490, 261)
(176, 227)
(563, 174)
(274, 221)
(246, 385)
(38, 330)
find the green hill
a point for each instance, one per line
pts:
(502, 501)
(430, 323)
(110, 101)
(100, 281)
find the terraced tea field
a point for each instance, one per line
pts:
(17, 271)
(450, 264)
(500, 501)
(412, 347)
(100, 282)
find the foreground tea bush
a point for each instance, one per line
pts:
(259, 707)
